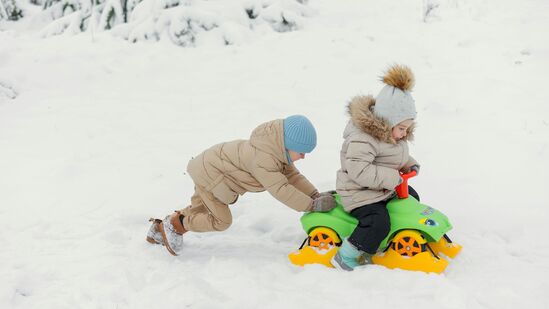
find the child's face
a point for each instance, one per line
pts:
(296, 155)
(399, 131)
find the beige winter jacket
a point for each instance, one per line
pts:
(370, 157)
(231, 169)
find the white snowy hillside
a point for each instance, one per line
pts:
(96, 133)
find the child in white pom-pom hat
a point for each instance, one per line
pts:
(374, 152)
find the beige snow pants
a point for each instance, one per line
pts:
(206, 213)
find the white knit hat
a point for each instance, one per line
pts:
(394, 103)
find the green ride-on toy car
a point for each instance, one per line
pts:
(416, 241)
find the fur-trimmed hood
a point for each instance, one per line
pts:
(360, 108)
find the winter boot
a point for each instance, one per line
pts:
(168, 232)
(347, 257)
(154, 236)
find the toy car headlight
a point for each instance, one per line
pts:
(429, 222)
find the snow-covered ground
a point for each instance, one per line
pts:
(98, 136)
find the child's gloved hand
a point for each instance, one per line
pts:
(323, 203)
(328, 193)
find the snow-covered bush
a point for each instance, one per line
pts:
(9, 10)
(184, 22)
(69, 16)
(188, 24)
(73, 16)
(281, 15)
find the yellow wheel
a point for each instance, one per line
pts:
(323, 238)
(409, 243)
(409, 250)
(322, 245)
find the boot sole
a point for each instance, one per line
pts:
(152, 241)
(166, 244)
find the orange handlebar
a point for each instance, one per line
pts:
(402, 189)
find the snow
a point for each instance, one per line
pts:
(95, 135)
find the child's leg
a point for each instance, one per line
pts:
(373, 226)
(206, 213)
(413, 193)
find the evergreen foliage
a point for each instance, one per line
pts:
(9, 10)
(184, 22)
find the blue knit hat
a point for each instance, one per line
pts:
(299, 134)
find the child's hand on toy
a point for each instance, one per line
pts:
(325, 193)
(328, 193)
(323, 203)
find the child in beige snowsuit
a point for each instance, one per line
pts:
(225, 171)
(375, 150)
